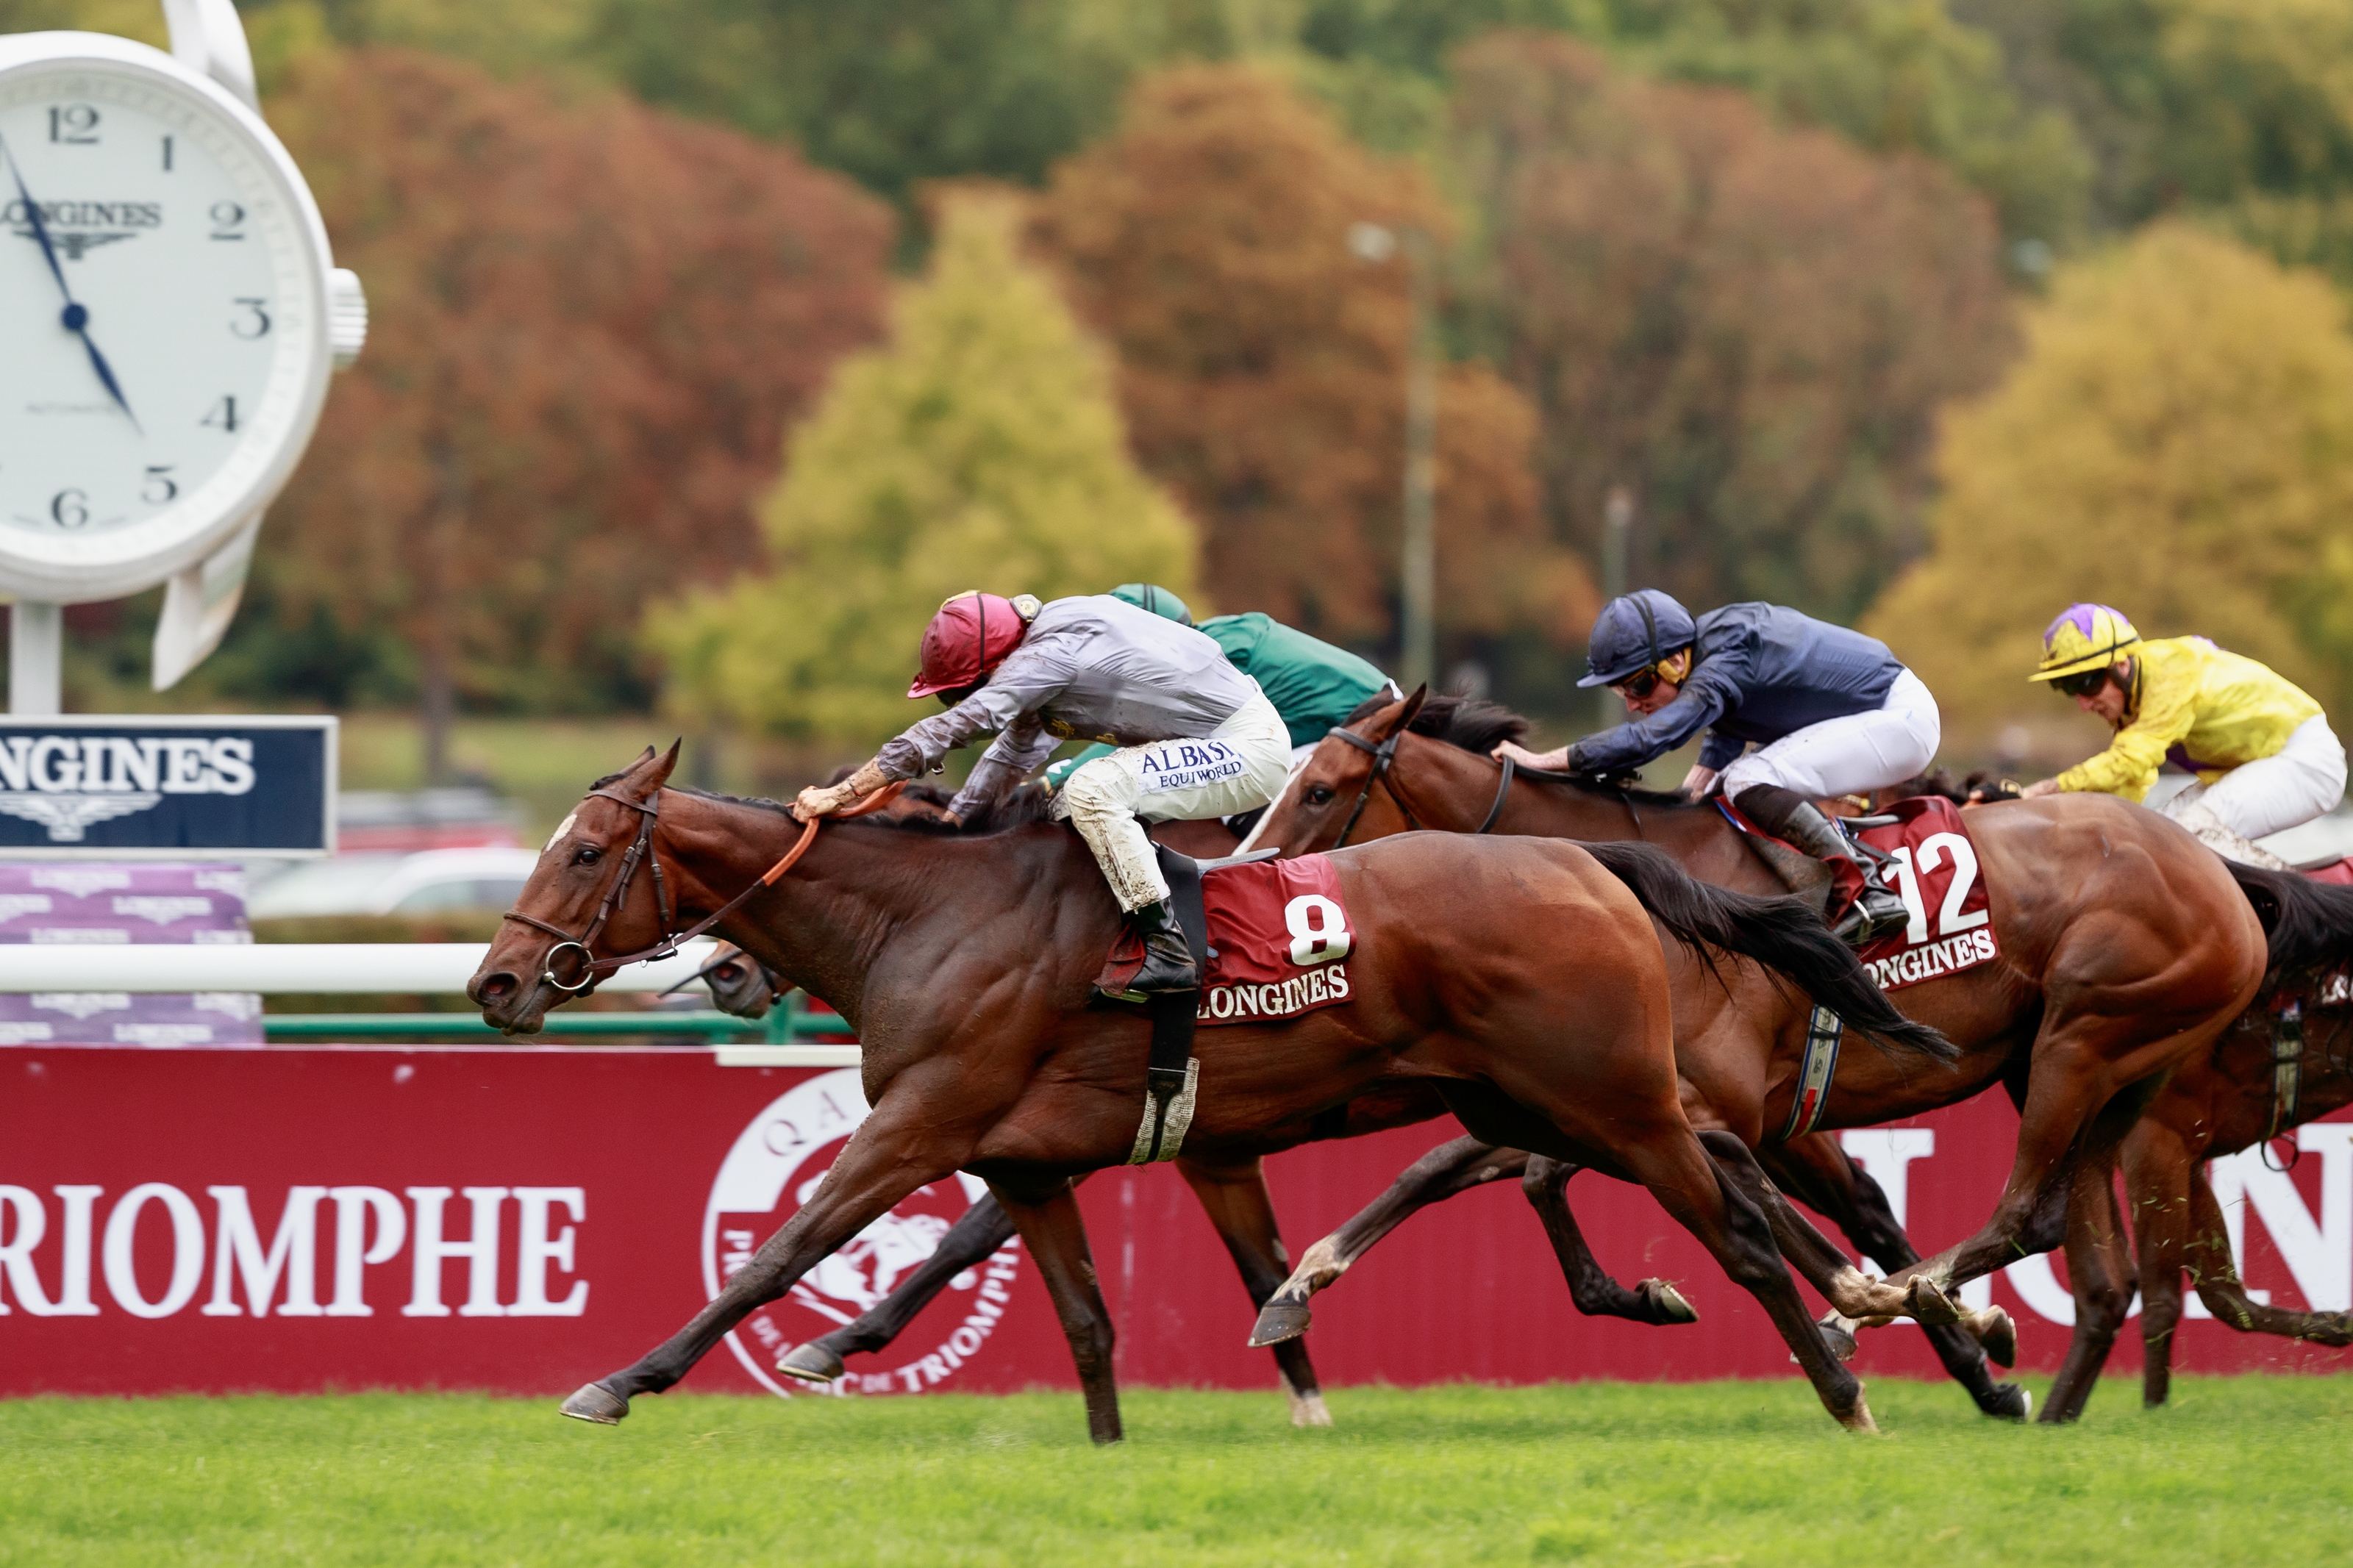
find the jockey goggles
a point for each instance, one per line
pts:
(2083, 683)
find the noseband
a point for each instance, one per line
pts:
(642, 851)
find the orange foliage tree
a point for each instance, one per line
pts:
(592, 323)
(1750, 327)
(1262, 365)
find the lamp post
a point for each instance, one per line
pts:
(1617, 523)
(1417, 563)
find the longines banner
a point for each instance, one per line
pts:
(119, 787)
(356, 1217)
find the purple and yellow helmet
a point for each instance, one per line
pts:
(2084, 638)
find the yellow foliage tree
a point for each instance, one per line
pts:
(2177, 442)
(981, 447)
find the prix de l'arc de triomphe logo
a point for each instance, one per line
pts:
(777, 1164)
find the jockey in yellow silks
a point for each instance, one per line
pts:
(2262, 749)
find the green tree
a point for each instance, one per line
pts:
(980, 448)
(2177, 442)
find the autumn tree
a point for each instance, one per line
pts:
(1748, 326)
(2177, 442)
(592, 324)
(1262, 365)
(981, 447)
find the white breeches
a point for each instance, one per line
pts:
(2301, 780)
(1240, 766)
(1851, 756)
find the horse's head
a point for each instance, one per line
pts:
(740, 983)
(1336, 796)
(593, 893)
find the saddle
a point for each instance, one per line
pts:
(1172, 1073)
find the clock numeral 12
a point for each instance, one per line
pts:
(73, 124)
(224, 415)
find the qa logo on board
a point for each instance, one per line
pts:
(775, 1167)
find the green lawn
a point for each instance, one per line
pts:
(2237, 1470)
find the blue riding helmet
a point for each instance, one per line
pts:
(1634, 632)
(1151, 596)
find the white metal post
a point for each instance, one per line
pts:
(1418, 653)
(37, 636)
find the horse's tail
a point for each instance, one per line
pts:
(1786, 934)
(2306, 923)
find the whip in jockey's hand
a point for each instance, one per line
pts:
(2265, 756)
(1195, 737)
(1830, 713)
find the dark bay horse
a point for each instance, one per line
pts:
(1523, 978)
(2261, 1079)
(2127, 948)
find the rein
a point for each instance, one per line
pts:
(641, 851)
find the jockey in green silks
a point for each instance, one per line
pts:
(1313, 685)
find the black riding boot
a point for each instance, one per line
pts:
(1800, 822)
(1167, 956)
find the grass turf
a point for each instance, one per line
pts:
(2237, 1469)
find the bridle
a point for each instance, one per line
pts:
(641, 852)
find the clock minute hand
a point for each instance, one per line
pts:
(40, 229)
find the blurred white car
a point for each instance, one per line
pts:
(430, 882)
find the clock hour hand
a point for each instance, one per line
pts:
(77, 315)
(40, 228)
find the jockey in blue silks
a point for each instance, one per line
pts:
(1796, 710)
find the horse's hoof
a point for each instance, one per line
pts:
(596, 1403)
(811, 1362)
(1924, 1301)
(1279, 1321)
(1307, 1409)
(1667, 1303)
(1998, 1335)
(1859, 1418)
(1837, 1341)
(2008, 1401)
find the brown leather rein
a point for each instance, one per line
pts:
(641, 852)
(1384, 755)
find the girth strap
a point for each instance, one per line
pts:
(1824, 1029)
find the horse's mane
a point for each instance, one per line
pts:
(1479, 726)
(1024, 805)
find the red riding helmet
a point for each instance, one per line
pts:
(966, 641)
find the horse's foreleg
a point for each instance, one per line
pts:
(1055, 1235)
(1449, 1169)
(890, 1155)
(1238, 1204)
(2100, 1270)
(1818, 1172)
(983, 1229)
(1596, 1292)
(1702, 1199)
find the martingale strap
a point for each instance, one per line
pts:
(2287, 1072)
(1824, 1029)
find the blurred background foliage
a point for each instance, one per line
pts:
(1995, 301)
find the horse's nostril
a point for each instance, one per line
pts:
(494, 988)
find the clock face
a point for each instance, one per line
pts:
(161, 340)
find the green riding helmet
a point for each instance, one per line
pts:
(1153, 598)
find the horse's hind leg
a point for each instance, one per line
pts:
(1055, 1235)
(1705, 1201)
(1819, 1173)
(1449, 1169)
(1236, 1202)
(983, 1229)
(2208, 1250)
(2100, 1270)
(1590, 1286)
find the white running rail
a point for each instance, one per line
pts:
(338, 968)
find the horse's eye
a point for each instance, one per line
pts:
(589, 854)
(1319, 794)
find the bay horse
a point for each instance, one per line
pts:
(1523, 978)
(2261, 1079)
(2125, 948)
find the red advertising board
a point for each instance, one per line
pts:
(526, 1218)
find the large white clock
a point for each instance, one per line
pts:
(169, 317)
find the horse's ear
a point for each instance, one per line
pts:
(1405, 718)
(645, 777)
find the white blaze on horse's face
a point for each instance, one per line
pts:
(562, 828)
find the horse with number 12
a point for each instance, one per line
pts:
(1523, 978)
(2125, 949)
